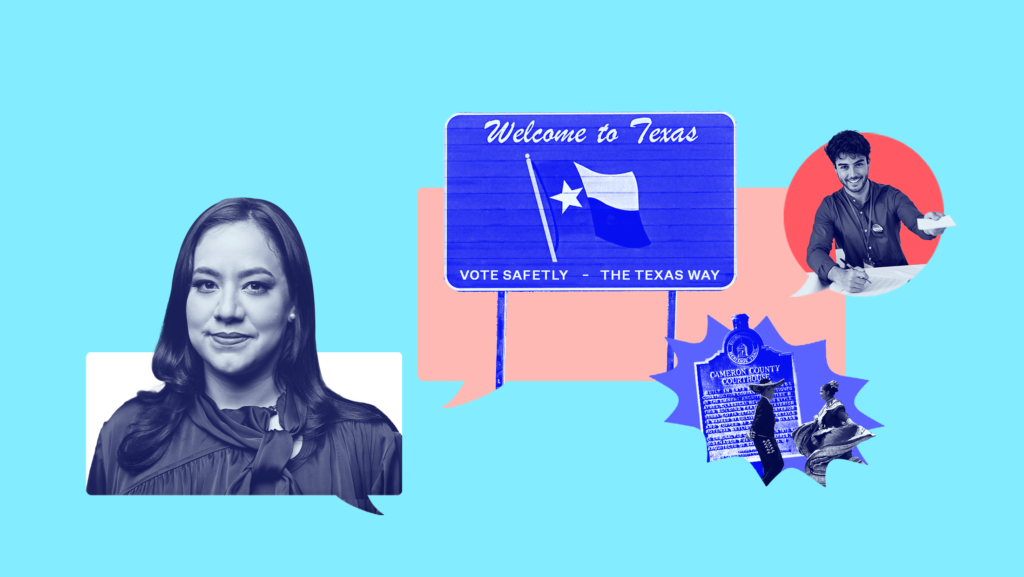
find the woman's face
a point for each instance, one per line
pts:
(239, 303)
(824, 392)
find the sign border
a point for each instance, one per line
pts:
(735, 240)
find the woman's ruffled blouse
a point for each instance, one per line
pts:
(231, 452)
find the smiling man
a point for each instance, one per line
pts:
(863, 217)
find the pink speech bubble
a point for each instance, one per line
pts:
(610, 336)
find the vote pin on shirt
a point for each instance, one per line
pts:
(877, 231)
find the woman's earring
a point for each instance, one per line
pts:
(291, 317)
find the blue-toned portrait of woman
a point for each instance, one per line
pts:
(244, 409)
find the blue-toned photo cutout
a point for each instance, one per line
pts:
(727, 403)
(633, 201)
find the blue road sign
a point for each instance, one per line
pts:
(632, 201)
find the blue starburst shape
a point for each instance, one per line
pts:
(810, 364)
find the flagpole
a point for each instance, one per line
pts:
(540, 207)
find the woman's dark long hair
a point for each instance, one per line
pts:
(832, 387)
(180, 367)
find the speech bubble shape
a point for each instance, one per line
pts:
(609, 336)
(111, 379)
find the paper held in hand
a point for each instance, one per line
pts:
(927, 224)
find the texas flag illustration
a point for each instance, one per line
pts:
(613, 201)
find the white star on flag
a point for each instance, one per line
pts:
(568, 197)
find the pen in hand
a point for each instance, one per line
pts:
(859, 269)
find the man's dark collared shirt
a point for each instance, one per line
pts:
(849, 222)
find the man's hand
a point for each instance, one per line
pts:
(852, 280)
(934, 216)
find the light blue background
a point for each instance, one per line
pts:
(120, 123)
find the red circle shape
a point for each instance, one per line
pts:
(892, 163)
